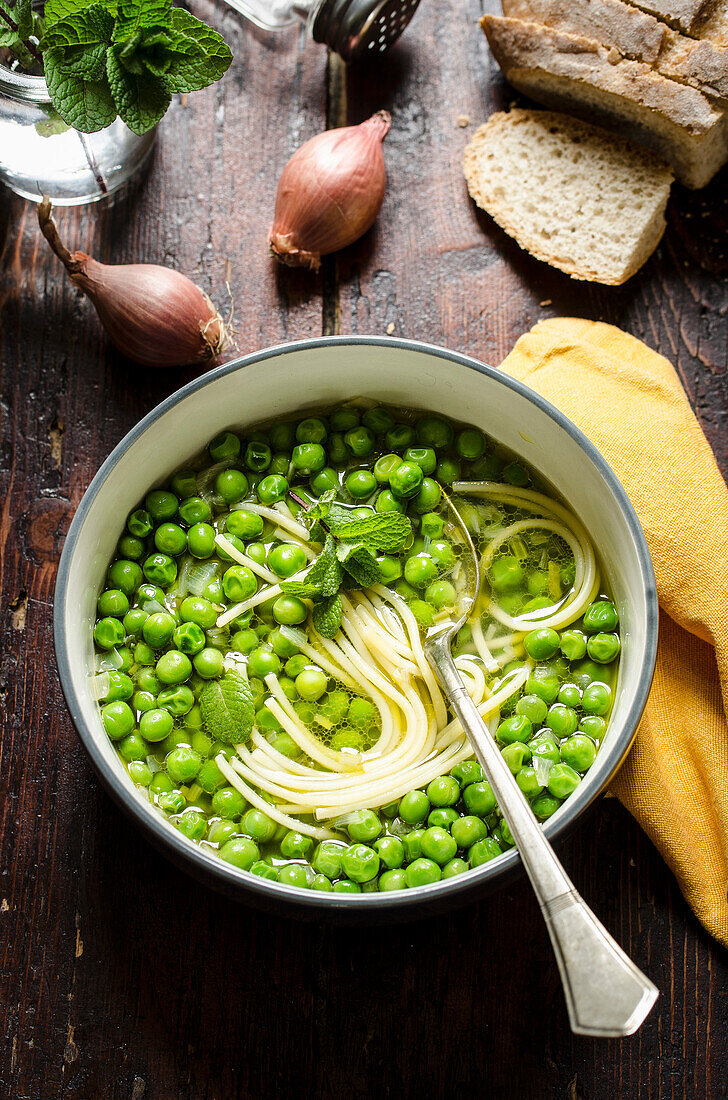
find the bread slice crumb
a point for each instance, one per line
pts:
(571, 194)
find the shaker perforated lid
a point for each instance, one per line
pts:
(358, 28)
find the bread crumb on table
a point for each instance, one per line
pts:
(390, 328)
(545, 302)
(463, 121)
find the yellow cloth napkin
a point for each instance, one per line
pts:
(629, 401)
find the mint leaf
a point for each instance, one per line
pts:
(228, 712)
(359, 562)
(325, 572)
(55, 10)
(327, 616)
(386, 531)
(23, 16)
(141, 98)
(302, 589)
(198, 55)
(84, 39)
(82, 103)
(133, 16)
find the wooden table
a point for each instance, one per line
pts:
(122, 977)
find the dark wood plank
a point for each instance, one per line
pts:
(121, 977)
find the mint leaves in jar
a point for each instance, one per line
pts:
(104, 59)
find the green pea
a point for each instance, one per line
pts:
(139, 523)
(244, 523)
(448, 471)
(387, 502)
(130, 547)
(399, 437)
(360, 441)
(544, 683)
(173, 667)
(196, 609)
(289, 610)
(527, 780)
(324, 481)
(443, 816)
(134, 621)
(420, 570)
(232, 485)
(579, 752)
(422, 872)
(438, 845)
(240, 852)
(506, 574)
(158, 629)
(118, 719)
(210, 777)
(229, 803)
(296, 845)
(311, 430)
(132, 747)
(544, 748)
(171, 801)
(160, 569)
(597, 699)
(454, 867)
(601, 616)
(483, 851)
(360, 863)
(183, 764)
(281, 646)
(284, 744)
(225, 447)
(346, 886)
(308, 456)
(414, 807)
(282, 436)
(272, 488)
(468, 830)
(294, 874)
(335, 706)
(379, 420)
(156, 724)
(170, 538)
(201, 540)
(470, 444)
(124, 575)
(406, 480)
(443, 791)
(140, 773)
(544, 806)
(593, 725)
(412, 842)
(120, 686)
(384, 467)
(208, 663)
(360, 484)
(516, 755)
(243, 641)
(195, 510)
(433, 431)
(219, 831)
(258, 825)
(428, 496)
(570, 695)
(479, 798)
(178, 700)
(362, 713)
(468, 771)
(424, 457)
(573, 644)
(108, 633)
(146, 679)
(562, 720)
(161, 783)
(563, 781)
(192, 824)
(239, 583)
(517, 727)
(533, 708)
(338, 452)
(603, 648)
(516, 474)
(541, 644)
(395, 879)
(390, 850)
(364, 825)
(161, 505)
(189, 638)
(327, 858)
(390, 568)
(113, 603)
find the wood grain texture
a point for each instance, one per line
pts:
(119, 976)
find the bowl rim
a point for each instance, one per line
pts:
(232, 880)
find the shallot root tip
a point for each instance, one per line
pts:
(288, 254)
(72, 262)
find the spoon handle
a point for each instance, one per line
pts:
(606, 994)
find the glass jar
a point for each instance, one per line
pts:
(41, 155)
(352, 28)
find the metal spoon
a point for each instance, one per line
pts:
(606, 994)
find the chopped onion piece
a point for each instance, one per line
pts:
(101, 685)
(199, 576)
(108, 660)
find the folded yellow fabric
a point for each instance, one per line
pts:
(629, 401)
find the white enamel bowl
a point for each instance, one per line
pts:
(276, 383)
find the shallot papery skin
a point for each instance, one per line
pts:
(152, 314)
(330, 192)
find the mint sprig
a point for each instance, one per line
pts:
(102, 59)
(228, 710)
(348, 557)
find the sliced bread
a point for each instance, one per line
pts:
(572, 194)
(636, 35)
(579, 75)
